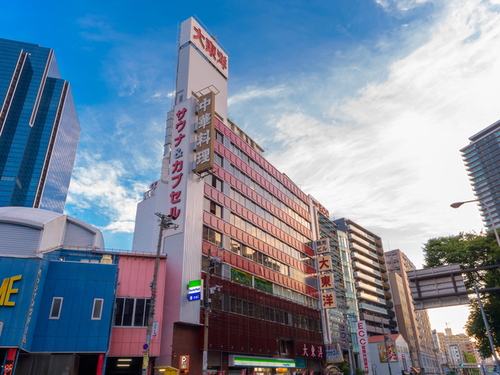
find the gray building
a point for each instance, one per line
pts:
(39, 128)
(482, 161)
(371, 280)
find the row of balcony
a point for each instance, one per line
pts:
(359, 256)
(370, 288)
(371, 297)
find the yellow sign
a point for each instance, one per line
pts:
(6, 290)
(145, 361)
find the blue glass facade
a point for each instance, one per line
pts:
(39, 128)
(482, 161)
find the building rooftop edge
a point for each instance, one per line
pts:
(482, 133)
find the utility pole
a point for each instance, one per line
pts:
(386, 351)
(208, 304)
(165, 223)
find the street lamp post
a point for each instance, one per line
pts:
(456, 205)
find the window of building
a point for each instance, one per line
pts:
(219, 137)
(212, 236)
(212, 207)
(55, 309)
(218, 159)
(97, 309)
(214, 181)
(132, 312)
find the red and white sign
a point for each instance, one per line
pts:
(191, 31)
(344, 336)
(310, 350)
(179, 164)
(363, 346)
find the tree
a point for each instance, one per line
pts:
(472, 250)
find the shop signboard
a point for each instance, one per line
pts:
(363, 346)
(333, 353)
(391, 352)
(179, 164)
(194, 292)
(344, 336)
(322, 246)
(205, 133)
(237, 360)
(191, 31)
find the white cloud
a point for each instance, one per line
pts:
(401, 5)
(388, 156)
(253, 93)
(105, 184)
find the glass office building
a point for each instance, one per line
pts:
(39, 128)
(482, 160)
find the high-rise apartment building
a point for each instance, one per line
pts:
(419, 332)
(39, 128)
(241, 222)
(482, 161)
(370, 274)
(350, 293)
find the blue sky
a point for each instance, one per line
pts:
(364, 104)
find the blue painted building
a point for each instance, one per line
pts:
(39, 128)
(57, 293)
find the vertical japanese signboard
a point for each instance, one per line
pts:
(191, 31)
(363, 346)
(179, 159)
(205, 133)
(344, 336)
(322, 246)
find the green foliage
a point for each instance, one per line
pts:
(359, 371)
(472, 250)
(344, 367)
(469, 358)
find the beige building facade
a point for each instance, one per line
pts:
(419, 331)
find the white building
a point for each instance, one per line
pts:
(398, 354)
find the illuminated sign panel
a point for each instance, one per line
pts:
(194, 292)
(235, 360)
(333, 353)
(363, 346)
(205, 133)
(191, 31)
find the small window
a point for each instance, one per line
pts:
(55, 309)
(218, 159)
(219, 137)
(97, 310)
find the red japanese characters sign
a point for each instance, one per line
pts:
(179, 160)
(205, 133)
(328, 300)
(191, 31)
(320, 208)
(363, 346)
(324, 263)
(326, 281)
(310, 350)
